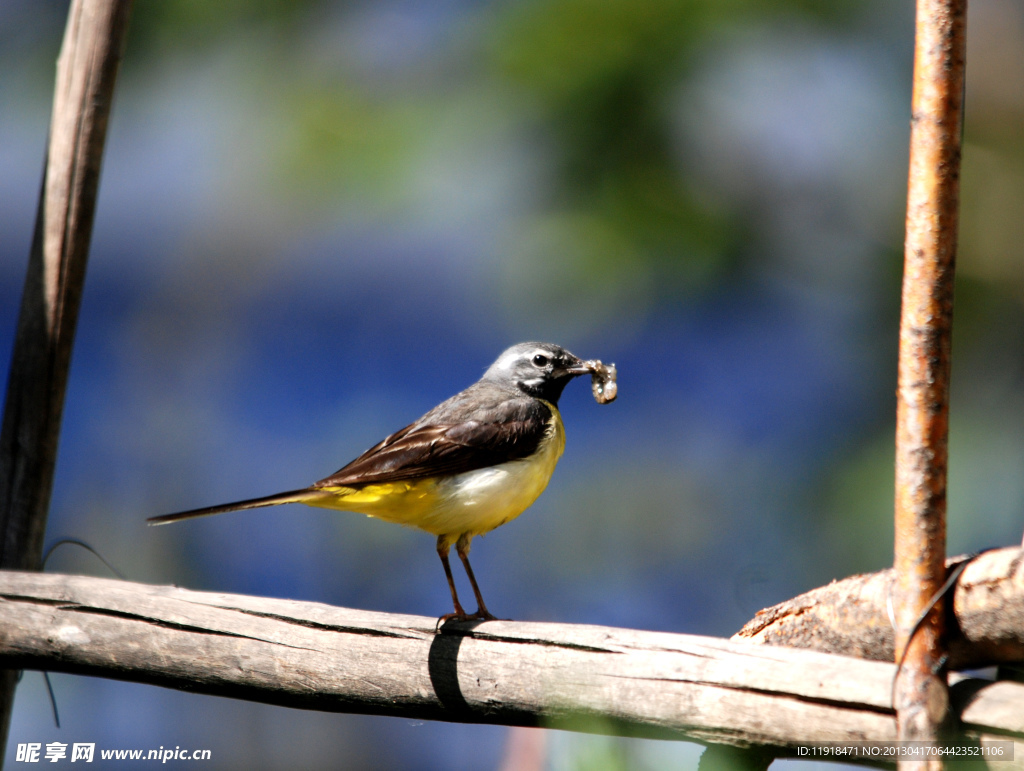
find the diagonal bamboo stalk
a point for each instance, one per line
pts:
(922, 698)
(86, 72)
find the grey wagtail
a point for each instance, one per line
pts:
(471, 464)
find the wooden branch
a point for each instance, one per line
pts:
(588, 678)
(850, 618)
(86, 72)
(922, 408)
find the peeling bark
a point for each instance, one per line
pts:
(850, 618)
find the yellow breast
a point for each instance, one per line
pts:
(474, 502)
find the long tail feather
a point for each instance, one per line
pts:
(294, 496)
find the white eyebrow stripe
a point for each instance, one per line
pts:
(507, 361)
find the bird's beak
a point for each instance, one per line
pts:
(578, 367)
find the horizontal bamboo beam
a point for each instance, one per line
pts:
(588, 678)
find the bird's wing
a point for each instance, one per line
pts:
(507, 431)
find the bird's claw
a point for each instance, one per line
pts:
(480, 615)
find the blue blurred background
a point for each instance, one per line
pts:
(317, 220)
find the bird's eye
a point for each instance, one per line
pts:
(540, 360)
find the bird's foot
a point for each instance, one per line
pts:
(480, 615)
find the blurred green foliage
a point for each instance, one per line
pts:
(170, 29)
(600, 76)
(593, 80)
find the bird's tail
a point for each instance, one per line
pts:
(294, 496)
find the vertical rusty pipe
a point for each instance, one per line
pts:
(924, 361)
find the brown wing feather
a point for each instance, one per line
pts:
(441, 444)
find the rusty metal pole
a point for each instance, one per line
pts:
(86, 71)
(922, 411)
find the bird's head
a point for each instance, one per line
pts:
(541, 370)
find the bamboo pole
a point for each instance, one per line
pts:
(922, 698)
(86, 72)
(774, 700)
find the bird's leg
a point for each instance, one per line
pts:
(462, 547)
(443, 545)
